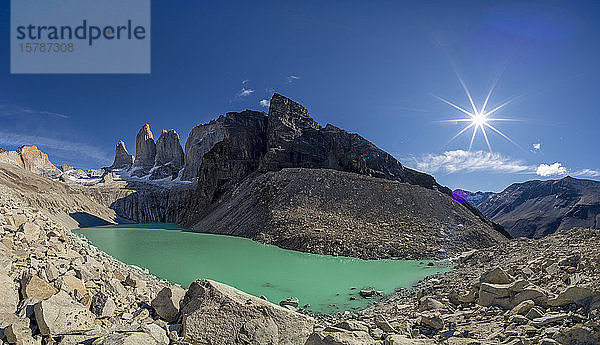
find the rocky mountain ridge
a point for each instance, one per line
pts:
(537, 208)
(29, 158)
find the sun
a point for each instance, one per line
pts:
(479, 118)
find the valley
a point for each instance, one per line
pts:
(279, 181)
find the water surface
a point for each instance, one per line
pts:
(328, 283)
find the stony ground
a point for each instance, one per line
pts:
(521, 292)
(55, 288)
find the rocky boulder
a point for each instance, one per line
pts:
(60, 314)
(123, 160)
(214, 313)
(103, 305)
(340, 337)
(166, 303)
(35, 287)
(9, 297)
(508, 296)
(129, 338)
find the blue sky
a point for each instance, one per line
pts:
(368, 67)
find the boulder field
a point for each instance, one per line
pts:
(55, 288)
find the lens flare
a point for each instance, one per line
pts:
(479, 119)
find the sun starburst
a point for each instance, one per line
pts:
(479, 118)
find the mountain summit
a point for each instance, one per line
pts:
(538, 208)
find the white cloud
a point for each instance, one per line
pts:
(245, 81)
(555, 169)
(245, 92)
(587, 173)
(264, 103)
(11, 111)
(537, 146)
(467, 161)
(292, 78)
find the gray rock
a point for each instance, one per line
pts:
(508, 296)
(534, 313)
(341, 338)
(115, 288)
(290, 301)
(428, 303)
(19, 333)
(433, 320)
(548, 319)
(575, 294)
(123, 160)
(522, 308)
(9, 298)
(496, 276)
(578, 334)
(367, 292)
(214, 313)
(103, 305)
(353, 325)
(166, 303)
(133, 338)
(60, 314)
(156, 332)
(397, 339)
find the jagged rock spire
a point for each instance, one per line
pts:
(169, 150)
(145, 148)
(123, 160)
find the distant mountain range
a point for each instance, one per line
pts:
(538, 208)
(476, 198)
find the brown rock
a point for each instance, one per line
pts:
(35, 287)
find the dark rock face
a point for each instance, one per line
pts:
(169, 156)
(123, 160)
(229, 161)
(145, 151)
(296, 140)
(201, 140)
(255, 144)
(538, 208)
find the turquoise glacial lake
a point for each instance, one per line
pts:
(328, 283)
